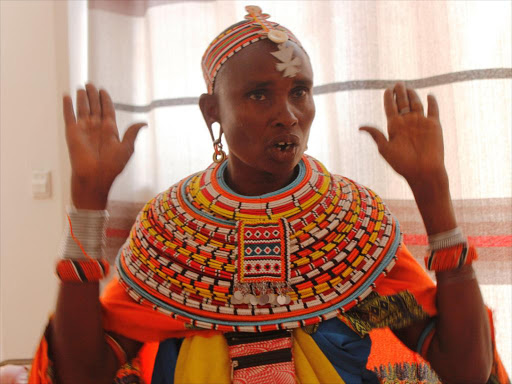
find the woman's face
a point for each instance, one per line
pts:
(265, 116)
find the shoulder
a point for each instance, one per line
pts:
(170, 195)
(355, 184)
(362, 195)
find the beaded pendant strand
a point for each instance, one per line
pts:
(263, 263)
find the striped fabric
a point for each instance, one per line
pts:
(261, 359)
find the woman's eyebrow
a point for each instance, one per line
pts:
(303, 82)
(258, 84)
(265, 84)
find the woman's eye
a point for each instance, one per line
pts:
(258, 96)
(299, 92)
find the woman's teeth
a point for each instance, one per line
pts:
(283, 146)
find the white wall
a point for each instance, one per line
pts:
(33, 76)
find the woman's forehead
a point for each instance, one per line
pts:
(257, 64)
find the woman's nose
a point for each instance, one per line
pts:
(285, 116)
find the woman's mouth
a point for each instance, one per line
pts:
(284, 146)
(284, 152)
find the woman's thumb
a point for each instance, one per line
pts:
(131, 134)
(377, 136)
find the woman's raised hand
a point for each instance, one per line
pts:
(414, 147)
(96, 152)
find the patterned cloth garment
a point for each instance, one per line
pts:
(261, 358)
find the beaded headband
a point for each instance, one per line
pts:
(241, 35)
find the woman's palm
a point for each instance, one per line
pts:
(414, 147)
(96, 153)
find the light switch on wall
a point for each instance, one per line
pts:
(41, 184)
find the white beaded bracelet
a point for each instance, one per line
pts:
(89, 228)
(446, 239)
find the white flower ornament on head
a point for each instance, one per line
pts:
(289, 64)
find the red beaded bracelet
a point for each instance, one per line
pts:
(450, 258)
(84, 270)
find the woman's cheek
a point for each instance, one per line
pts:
(311, 109)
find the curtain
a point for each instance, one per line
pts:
(147, 55)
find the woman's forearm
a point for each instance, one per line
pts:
(98, 155)
(79, 348)
(461, 350)
(78, 343)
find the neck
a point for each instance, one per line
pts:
(247, 181)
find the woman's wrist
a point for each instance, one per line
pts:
(436, 209)
(437, 181)
(432, 195)
(456, 275)
(88, 203)
(86, 197)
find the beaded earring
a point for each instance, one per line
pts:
(218, 153)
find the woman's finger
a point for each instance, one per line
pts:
(108, 114)
(129, 137)
(107, 107)
(402, 100)
(82, 104)
(379, 138)
(433, 108)
(415, 101)
(94, 100)
(389, 103)
(67, 110)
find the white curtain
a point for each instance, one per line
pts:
(147, 55)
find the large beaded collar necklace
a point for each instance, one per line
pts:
(214, 259)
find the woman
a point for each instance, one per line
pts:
(264, 267)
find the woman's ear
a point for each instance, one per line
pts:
(209, 108)
(210, 111)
